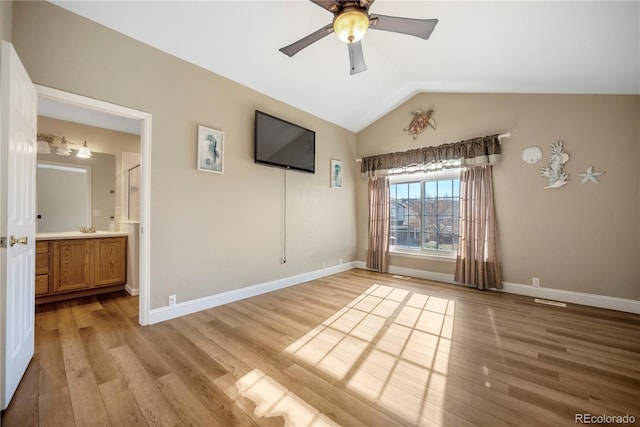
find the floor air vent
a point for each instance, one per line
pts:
(549, 302)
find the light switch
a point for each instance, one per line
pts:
(96, 213)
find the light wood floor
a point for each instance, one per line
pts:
(354, 349)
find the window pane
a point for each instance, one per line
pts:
(445, 206)
(431, 241)
(431, 189)
(414, 190)
(445, 242)
(445, 224)
(445, 188)
(431, 224)
(429, 220)
(431, 206)
(401, 238)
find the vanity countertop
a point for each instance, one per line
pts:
(62, 235)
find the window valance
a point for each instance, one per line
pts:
(468, 153)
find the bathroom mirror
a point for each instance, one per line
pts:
(73, 192)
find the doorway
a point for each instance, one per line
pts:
(144, 119)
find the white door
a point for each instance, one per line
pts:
(18, 112)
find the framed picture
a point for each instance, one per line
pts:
(210, 150)
(336, 173)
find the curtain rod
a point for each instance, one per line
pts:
(500, 137)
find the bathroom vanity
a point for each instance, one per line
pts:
(74, 264)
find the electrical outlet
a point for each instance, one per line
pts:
(172, 300)
(117, 210)
(322, 265)
(340, 262)
(535, 282)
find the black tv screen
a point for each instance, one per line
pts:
(283, 144)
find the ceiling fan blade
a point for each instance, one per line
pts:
(414, 27)
(366, 3)
(356, 58)
(296, 47)
(331, 6)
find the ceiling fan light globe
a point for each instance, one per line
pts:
(351, 25)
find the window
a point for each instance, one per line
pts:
(425, 212)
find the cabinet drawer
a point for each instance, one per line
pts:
(42, 247)
(42, 284)
(42, 263)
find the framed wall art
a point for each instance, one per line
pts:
(336, 173)
(210, 150)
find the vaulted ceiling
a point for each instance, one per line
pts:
(477, 46)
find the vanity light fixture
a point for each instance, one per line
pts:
(62, 146)
(43, 147)
(84, 152)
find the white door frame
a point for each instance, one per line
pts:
(145, 177)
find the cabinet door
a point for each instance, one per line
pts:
(110, 261)
(72, 265)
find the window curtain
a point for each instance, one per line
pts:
(477, 258)
(467, 153)
(378, 242)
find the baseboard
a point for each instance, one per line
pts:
(132, 291)
(592, 300)
(601, 301)
(182, 309)
(411, 272)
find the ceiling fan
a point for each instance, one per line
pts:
(351, 19)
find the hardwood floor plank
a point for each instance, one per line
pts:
(201, 384)
(120, 404)
(55, 409)
(115, 330)
(88, 407)
(51, 370)
(153, 406)
(355, 348)
(185, 403)
(98, 356)
(227, 383)
(82, 308)
(23, 409)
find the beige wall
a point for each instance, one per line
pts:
(210, 233)
(6, 13)
(583, 238)
(99, 141)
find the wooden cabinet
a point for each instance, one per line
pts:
(72, 265)
(78, 267)
(110, 261)
(43, 267)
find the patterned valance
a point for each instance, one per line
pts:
(471, 152)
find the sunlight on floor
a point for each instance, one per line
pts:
(389, 345)
(273, 400)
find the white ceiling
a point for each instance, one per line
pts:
(478, 46)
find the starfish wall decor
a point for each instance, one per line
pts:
(591, 175)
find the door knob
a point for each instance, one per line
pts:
(20, 241)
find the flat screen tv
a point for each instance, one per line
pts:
(283, 144)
